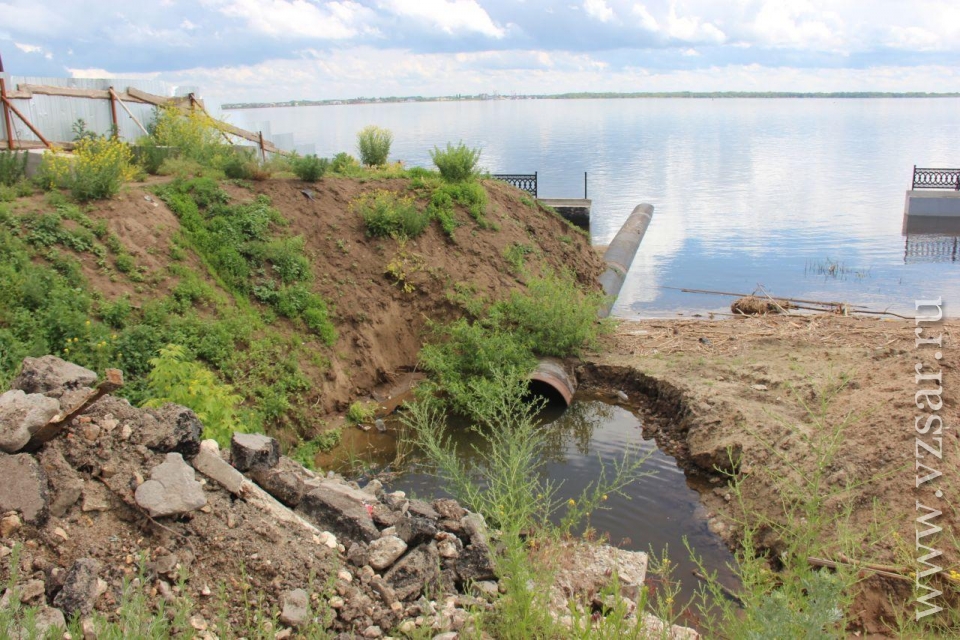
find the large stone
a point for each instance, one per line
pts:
(46, 620)
(287, 482)
(52, 376)
(254, 450)
(171, 489)
(80, 588)
(21, 415)
(475, 563)
(413, 529)
(449, 509)
(423, 510)
(340, 513)
(23, 487)
(588, 571)
(383, 552)
(295, 607)
(209, 463)
(177, 430)
(65, 483)
(417, 570)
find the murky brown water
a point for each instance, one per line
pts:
(658, 511)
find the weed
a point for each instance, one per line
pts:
(310, 168)
(344, 164)
(306, 452)
(516, 255)
(175, 378)
(385, 213)
(13, 167)
(554, 314)
(403, 266)
(373, 143)
(361, 412)
(99, 167)
(456, 163)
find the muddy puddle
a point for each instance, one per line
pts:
(658, 511)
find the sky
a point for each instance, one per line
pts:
(277, 50)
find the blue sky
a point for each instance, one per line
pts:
(314, 49)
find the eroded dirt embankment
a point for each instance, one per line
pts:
(774, 391)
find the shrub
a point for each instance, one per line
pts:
(456, 163)
(194, 133)
(361, 412)
(554, 314)
(344, 163)
(373, 143)
(385, 213)
(239, 167)
(13, 167)
(467, 357)
(175, 378)
(100, 166)
(310, 168)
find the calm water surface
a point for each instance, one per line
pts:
(746, 192)
(657, 511)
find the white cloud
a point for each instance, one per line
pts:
(647, 21)
(689, 28)
(28, 48)
(598, 9)
(449, 16)
(330, 21)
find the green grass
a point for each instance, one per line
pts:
(387, 214)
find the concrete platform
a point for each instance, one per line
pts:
(932, 203)
(574, 210)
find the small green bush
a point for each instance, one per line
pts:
(361, 412)
(373, 143)
(176, 378)
(13, 167)
(456, 163)
(310, 168)
(344, 163)
(385, 213)
(239, 167)
(555, 314)
(306, 452)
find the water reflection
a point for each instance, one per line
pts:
(931, 239)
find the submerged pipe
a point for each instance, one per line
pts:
(551, 372)
(619, 255)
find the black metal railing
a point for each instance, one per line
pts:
(936, 178)
(524, 181)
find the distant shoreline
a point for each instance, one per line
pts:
(589, 96)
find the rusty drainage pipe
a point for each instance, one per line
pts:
(551, 372)
(619, 255)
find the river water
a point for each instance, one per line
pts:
(803, 197)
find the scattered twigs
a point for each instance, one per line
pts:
(727, 591)
(880, 570)
(744, 295)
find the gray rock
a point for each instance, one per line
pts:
(23, 487)
(65, 483)
(339, 513)
(177, 429)
(423, 509)
(475, 526)
(287, 482)
(413, 530)
(417, 570)
(475, 563)
(250, 450)
(21, 415)
(383, 552)
(80, 588)
(52, 376)
(209, 463)
(171, 489)
(294, 605)
(397, 501)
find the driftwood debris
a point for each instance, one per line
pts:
(751, 304)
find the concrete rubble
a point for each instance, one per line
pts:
(124, 487)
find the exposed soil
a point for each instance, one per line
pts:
(755, 386)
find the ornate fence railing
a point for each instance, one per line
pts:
(524, 181)
(936, 178)
(931, 249)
